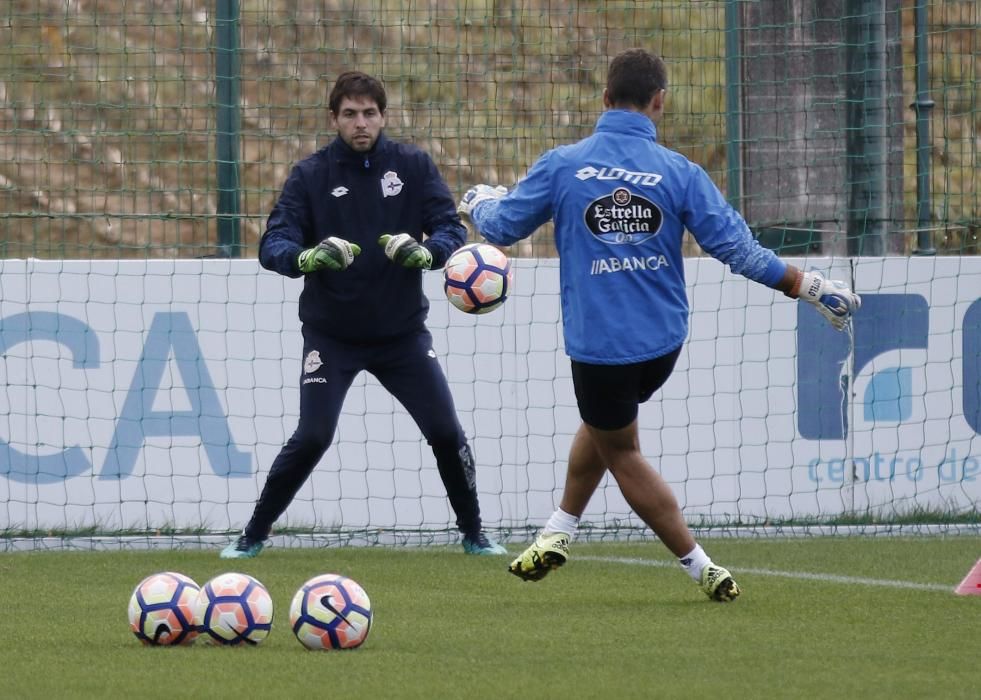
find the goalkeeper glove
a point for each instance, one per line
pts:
(406, 251)
(331, 253)
(832, 298)
(477, 194)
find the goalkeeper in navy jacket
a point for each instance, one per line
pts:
(351, 220)
(621, 203)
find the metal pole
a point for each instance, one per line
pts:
(922, 107)
(733, 107)
(867, 116)
(227, 118)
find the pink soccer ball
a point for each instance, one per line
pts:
(161, 609)
(477, 278)
(330, 611)
(233, 609)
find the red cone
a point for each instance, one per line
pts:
(971, 585)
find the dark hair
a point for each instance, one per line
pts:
(354, 83)
(634, 77)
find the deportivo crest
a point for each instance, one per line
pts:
(623, 217)
(391, 185)
(312, 362)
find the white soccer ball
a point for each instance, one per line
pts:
(161, 609)
(477, 278)
(331, 611)
(233, 609)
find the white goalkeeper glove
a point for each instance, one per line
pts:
(832, 298)
(477, 194)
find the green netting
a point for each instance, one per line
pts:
(110, 109)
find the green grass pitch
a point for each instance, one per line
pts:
(819, 618)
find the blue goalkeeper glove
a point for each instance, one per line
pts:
(406, 251)
(832, 298)
(477, 194)
(332, 253)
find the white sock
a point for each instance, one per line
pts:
(562, 522)
(694, 562)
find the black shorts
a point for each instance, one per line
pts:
(609, 395)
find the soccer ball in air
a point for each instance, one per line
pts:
(233, 609)
(161, 609)
(477, 278)
(330, 611)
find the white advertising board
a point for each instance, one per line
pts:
(151, 394)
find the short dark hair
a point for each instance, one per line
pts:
(354, 83)
(635, 75)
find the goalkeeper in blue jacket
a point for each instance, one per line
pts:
(621, 203)
(360, 220)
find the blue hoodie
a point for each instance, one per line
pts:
(395, 188)
(621, 203)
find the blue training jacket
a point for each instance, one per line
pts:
(395, 188)
(621, 203)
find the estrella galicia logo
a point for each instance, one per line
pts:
(623, 217)
(885, 323)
